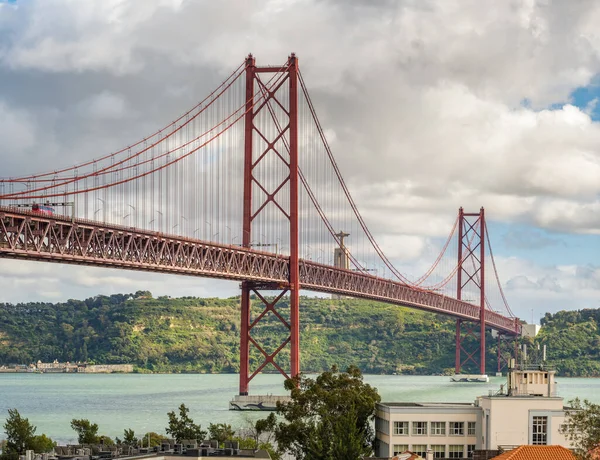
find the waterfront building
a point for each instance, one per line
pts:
(525, 411)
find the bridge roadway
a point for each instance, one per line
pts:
(24, 235)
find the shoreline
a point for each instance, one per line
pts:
(135, 372)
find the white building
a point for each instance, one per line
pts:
(527, 411)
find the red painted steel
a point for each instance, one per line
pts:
(294, 228)
(482, 291)
(252, 159)
(471, 272)
(245, 301)
(457, 346)
(459, 287)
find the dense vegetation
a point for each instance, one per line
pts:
(573, 341)
(202, 335)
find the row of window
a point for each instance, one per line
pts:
(439, 451)
(437, 428)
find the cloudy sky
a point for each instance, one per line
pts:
(429, 105)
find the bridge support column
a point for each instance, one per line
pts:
(470, 281)
(271, 128)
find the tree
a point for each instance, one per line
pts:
(328, 418)
(129, 437)
(221, 432)
(87, 433)
(19, 433)
(582, 427)
(259, 435)
(153, 439)
(262, 430)
(106, 440)
(184, 427)
(41, 444)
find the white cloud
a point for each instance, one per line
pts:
(105, 105)
(428, 105)
(549, 288)
(24, 281)
(17, 130)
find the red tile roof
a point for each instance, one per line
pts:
(408, 455)
(537, 453)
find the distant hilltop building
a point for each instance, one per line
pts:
(57, 367)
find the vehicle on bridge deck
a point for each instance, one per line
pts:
(42, 209)
(479, 378)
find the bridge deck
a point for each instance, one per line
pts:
(24, 235)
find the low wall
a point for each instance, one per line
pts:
(106, 368)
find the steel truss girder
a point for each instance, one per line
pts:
(59, 239)
(53, 239)
(325, 278)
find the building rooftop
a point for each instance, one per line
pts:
(537, 453)
(427, 404)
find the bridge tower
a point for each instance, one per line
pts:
(276, 112)
(470, 286)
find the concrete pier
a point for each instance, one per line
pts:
(257, 402)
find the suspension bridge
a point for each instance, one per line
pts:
(244, 186)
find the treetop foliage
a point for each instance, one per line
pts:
(183, 427)
(329, 417)
(221, 432)
(87, 432)
(582, 428)
(20, 436)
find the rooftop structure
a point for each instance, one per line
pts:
(168, 450)
(526, 410)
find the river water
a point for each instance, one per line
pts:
(141, 401)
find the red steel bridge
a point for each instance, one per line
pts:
(244, 187)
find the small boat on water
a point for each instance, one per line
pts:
(478, 378)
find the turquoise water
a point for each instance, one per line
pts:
(141, 401)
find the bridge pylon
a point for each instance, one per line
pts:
(271, 128)
(470, 337)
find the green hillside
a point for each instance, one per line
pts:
(573, 341)
(202, 335)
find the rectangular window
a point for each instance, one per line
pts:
(539, 431)
(419, 428)
(438, 428)
(470, 450)
(456, 451)
(457, 428)
(401, 428)
(471, 428)
(399, 448)
(420, 450)
(438, 451)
